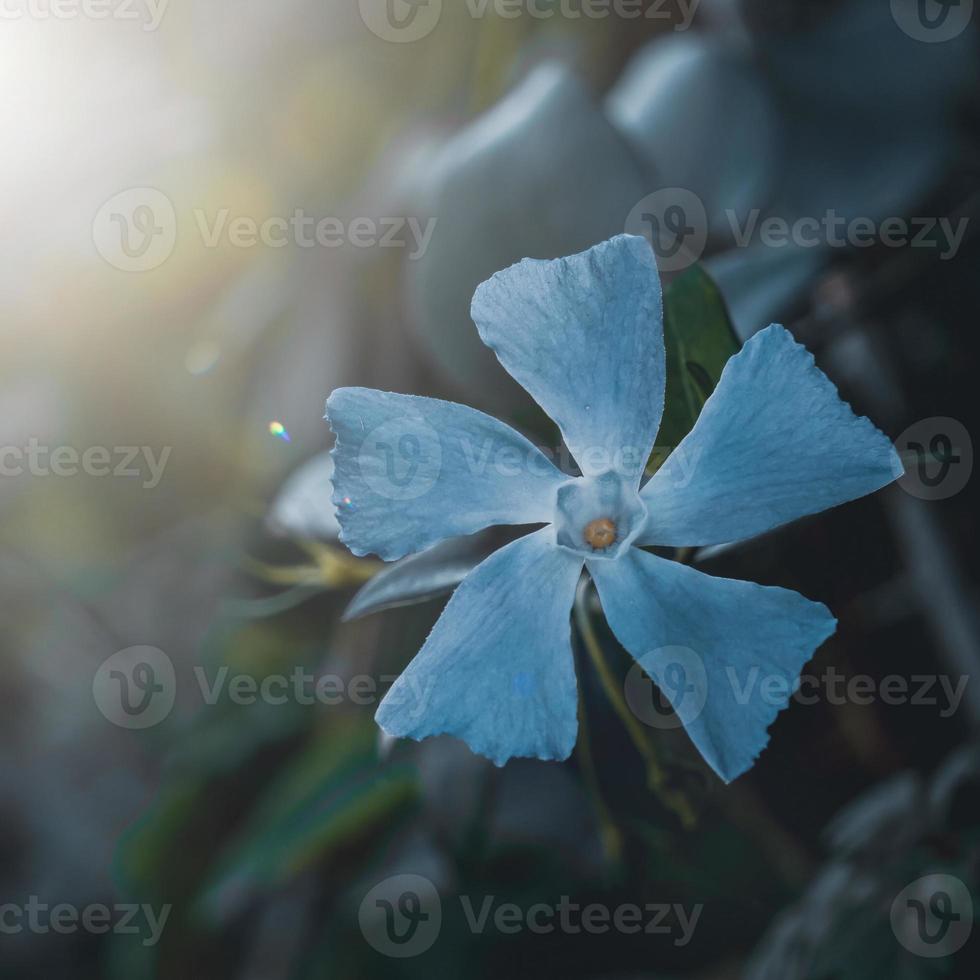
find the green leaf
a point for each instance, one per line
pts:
(333, 795)
(700, 340)
(143, 862)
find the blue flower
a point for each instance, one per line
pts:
(584, 336)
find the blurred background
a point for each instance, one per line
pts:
(216, 212)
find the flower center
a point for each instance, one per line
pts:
(600, 533)
(598, 518)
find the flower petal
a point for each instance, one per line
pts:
(540, 147)
(584, 335)
(300, 506)
(773, 443)
(411, 471)
(497, 668)
(727, 654)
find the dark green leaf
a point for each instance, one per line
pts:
(700, 340)
(333, 794)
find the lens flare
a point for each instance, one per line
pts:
(279, 431)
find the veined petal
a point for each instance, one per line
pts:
(726, 654)
(584, 335)
(497, 668)
(774, 442)
(411, 471)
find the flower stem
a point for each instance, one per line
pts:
(656, 777)
(611, 838)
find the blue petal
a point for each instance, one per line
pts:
(497, 668)
(410, 471)
(726, 654)
(584, 335)
(773, 443)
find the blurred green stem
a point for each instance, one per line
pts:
(656, 777)
(612, 840)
